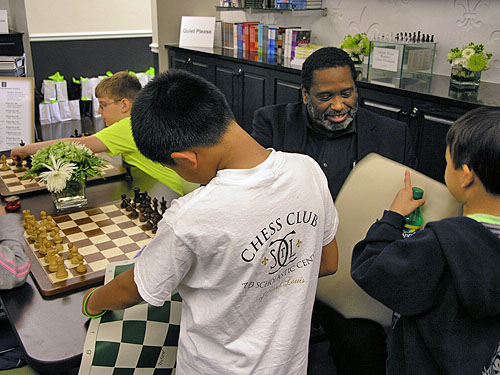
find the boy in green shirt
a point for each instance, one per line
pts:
(116, 95)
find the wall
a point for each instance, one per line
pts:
(453, 22)
(63, 19)
(167, 21)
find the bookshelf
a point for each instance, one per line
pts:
(302, 12)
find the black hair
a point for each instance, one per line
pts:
(474, 140)
(177, 111)
(326, 57)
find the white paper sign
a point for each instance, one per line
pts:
(385, 59)
(197, 32)
(16, 111)
(4, 22)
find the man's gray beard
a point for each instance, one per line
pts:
(329, 125)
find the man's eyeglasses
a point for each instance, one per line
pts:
(104, 105)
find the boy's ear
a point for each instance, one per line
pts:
(468, 176)
(185, 158)
(305, 97)
(125, 104)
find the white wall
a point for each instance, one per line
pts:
(453, 22)
(66, 19)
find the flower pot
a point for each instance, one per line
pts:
(464, 79)
(72, 196)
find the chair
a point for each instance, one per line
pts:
(369, 189)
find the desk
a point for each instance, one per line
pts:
(52, 330)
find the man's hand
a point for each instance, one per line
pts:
(19, 151)
(404, 204)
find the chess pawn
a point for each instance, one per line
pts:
(75, 259)
(52, 264)
(50, 254)
(59, 247)
(81, 268)
(4, 166)
(43, 249)
(61, 271)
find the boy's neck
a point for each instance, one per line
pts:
(483, 204)
(241, 151)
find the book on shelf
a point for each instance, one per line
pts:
(246, 34)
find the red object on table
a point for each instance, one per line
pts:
(12, 203)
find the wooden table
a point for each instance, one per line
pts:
(52, 330)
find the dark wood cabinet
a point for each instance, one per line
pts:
(428, 109)
(246, 88)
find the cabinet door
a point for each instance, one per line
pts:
(435, 120)
(225, 81)
(199, 65)
(286, 88)
(393, 106)
(252, 91)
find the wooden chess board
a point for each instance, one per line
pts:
(102, 235)
(12, 183)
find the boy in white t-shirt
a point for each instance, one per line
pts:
(244, 251)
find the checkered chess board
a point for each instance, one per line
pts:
(102, 235)
(139, 340)
(12, 183)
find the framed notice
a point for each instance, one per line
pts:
(16, 111)
(197, 32)
(385, 59)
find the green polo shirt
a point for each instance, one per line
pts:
(118, 139)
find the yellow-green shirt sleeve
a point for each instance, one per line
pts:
(118, 139)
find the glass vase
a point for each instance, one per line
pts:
(358, 64)
(464, 79)
(73, 196)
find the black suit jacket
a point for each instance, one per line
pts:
(284, 128)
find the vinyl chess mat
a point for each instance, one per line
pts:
(102, 235)
(139, 340)
(12, 183)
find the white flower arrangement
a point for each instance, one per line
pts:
(62, 162)
(471, 57)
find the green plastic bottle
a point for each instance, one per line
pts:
(414, 221)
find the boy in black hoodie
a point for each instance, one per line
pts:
(444, 280)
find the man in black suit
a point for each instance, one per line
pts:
(330, 127)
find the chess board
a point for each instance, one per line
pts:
(102, 235)
(141, 339)
(12, 183)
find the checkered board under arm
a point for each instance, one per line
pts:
(12, 183)
(140, 340)
(102, 235)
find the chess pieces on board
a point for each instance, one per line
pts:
(48, 242)
(145, 208)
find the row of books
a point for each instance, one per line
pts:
(258, 37)
(277, 4)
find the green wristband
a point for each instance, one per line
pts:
(85, 307)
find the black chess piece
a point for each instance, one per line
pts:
(124, 201)
(28, 162)
(134, 214)
(19, 162)
(163, 205)
(128, 174)
(154, 229)
(148, 225)
(136, 195)
(130, 205)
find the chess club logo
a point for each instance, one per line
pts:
(280, 252)
(4, 84)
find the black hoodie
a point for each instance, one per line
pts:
(445, 282)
